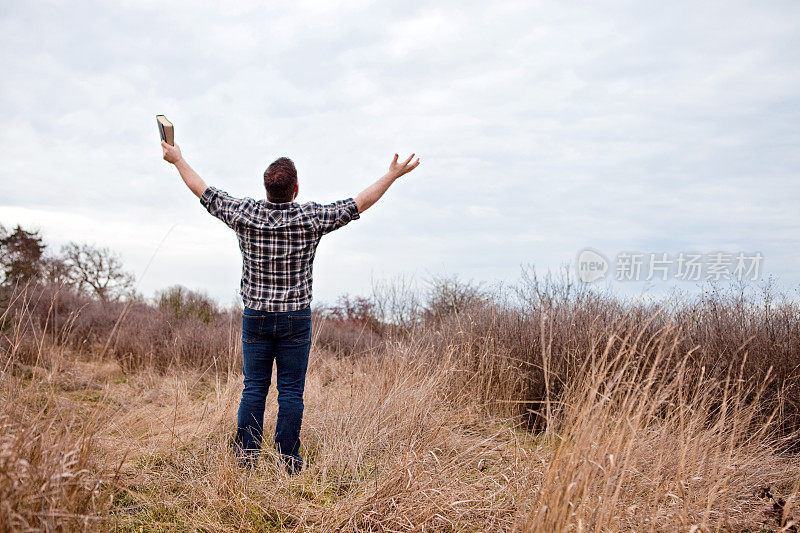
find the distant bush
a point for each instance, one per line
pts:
(183, 303)
(449, 296)
(349, 327)
(137, 333)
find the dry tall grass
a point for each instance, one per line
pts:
(575, 412)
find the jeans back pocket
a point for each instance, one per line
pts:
(300, 329)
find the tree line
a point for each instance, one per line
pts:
(26, 260)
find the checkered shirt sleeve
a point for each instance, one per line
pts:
(222, 205)
(333, 216)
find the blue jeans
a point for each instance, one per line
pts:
(284, 337)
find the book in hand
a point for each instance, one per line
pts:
(166, 130)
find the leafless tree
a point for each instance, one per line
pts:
(96, 270)
(55, 271)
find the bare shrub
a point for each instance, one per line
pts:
(542, 340)
(524, 347)
(136, 333)
(450, 296)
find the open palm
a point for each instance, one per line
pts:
(398, 169)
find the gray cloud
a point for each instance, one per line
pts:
(543, 129)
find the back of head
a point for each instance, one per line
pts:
(280, 180)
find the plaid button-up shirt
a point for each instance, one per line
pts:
(278, 242)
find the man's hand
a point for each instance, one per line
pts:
(172, 154)
(398, 169)
(373, 193)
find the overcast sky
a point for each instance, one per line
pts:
(543, 128)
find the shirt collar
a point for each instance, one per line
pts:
(281, 205)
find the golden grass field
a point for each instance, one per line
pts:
(429, 433)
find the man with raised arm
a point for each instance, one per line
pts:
(278, 238)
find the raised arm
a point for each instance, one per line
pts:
(373, 193)
(192, 180)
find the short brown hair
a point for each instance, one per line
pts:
(280, 179)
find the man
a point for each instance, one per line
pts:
(278, 238)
